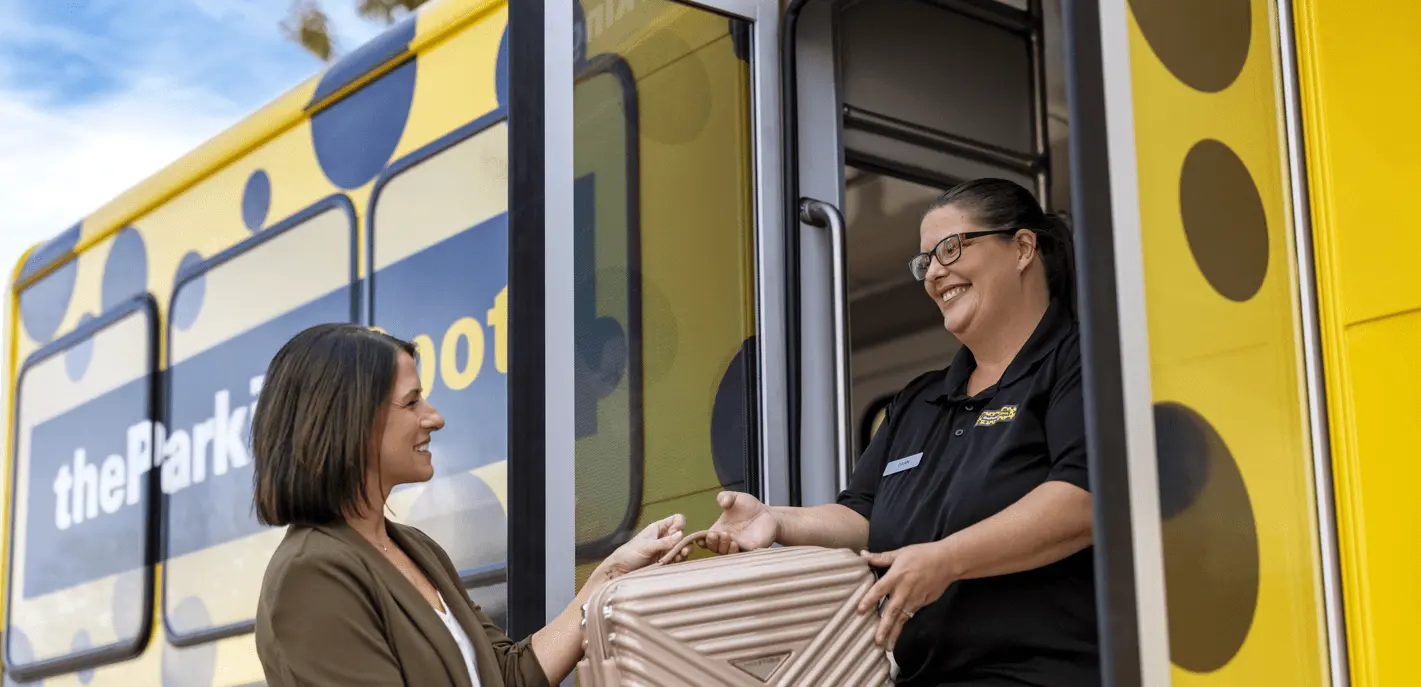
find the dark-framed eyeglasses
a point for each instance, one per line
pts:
(947, 251)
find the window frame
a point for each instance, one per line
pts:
(614, 65)
(98, 656)
(493, 573)
(541, 175)
(496, 116)
(596, 65)
(336, 201)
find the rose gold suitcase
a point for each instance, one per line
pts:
(781, 616)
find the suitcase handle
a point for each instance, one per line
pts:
(685, 543)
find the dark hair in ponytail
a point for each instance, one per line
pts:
(1001, 204)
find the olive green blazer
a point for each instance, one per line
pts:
(334, 612)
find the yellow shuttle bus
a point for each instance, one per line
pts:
(653, 249)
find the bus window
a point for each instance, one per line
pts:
(229, 317)
(664, 266)
(439, 260)
(607, 387)
(80, 589)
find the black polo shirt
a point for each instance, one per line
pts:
(943, 461)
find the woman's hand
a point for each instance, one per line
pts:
(745, 525)
(917, 576)
(647, 547)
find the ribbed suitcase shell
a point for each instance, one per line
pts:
(781, 616)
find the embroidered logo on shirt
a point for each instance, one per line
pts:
(992, 417)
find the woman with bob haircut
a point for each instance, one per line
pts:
(349, 597)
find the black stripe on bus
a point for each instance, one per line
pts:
(789, 126)
(1102, 380)
(527, 377)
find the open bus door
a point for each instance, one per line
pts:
(1167, 132)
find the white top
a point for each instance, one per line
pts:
(460, 637)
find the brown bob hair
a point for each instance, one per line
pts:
(314, 429)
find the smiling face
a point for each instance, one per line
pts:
(405, 424)
(987, 278)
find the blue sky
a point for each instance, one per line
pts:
(96, 95)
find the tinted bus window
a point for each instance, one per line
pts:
(664, 266)
(227, 321)
(607, 308)
(439, 252)
(79, 581)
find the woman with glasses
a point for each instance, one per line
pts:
(972, 499)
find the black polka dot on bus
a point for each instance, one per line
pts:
(1203, 43)
(1211, 564)
(602, 349)
(81, 644)
(256, 200)
(1224, 220)
(730, 418)
(125, 269)
(77, 357)
(20, 652)
(187, 304)
(355, 136)
(192, 666)
(674, 103)
(500, 70)
(44, 304)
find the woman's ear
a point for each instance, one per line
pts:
(1025, 241)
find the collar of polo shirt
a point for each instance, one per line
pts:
(1053, 327)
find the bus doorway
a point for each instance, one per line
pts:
(895, 101)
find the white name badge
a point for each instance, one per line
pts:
(903, 464)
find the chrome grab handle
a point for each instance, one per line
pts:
(818, 213)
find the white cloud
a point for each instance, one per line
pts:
(59, 165)
(173, 73)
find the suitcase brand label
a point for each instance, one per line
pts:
(762, 667)
(903, 464)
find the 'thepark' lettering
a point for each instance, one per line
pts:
(87, 490)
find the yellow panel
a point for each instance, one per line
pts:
(1358, 58)
(1243, 584)
(466, 58)
(1386, 394)
(697, 192)
(1364, 158)
(693, 254)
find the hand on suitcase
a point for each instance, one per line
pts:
(917, 576)
(648, 546)
(745, 525)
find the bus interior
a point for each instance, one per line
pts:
(977, 88)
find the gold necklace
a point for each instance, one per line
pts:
(411, 577)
